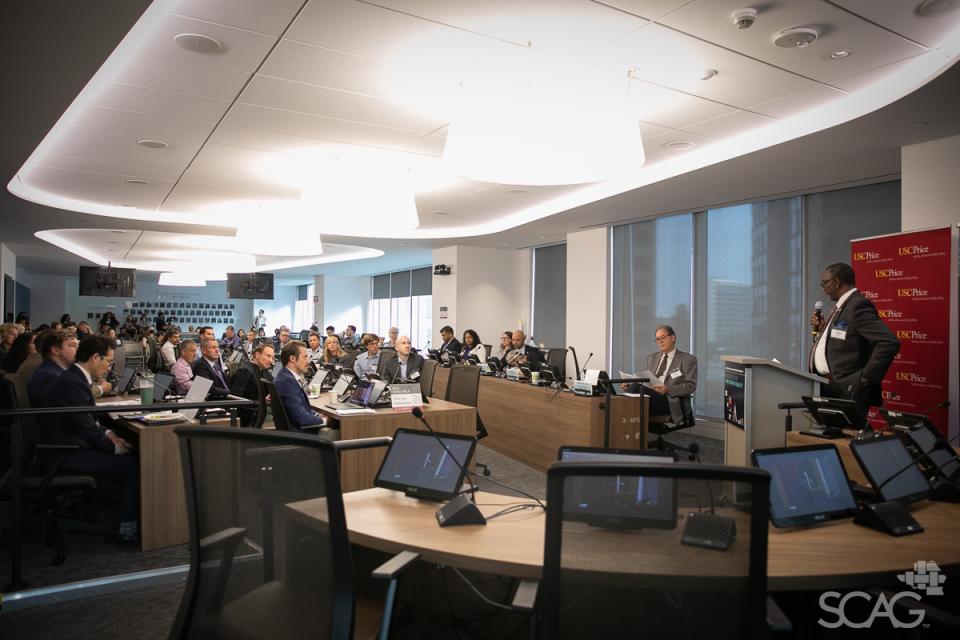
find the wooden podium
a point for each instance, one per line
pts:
(753, 387)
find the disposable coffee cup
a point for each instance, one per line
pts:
(146, 393)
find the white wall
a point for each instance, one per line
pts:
(279, 311)
(345, 301)
(8, 267)
(588, 305)
(930, 189)
(48, 298)
(488, 291)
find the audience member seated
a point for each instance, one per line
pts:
(331, 331)
(392, 342)
(209, 367)
(83, 330)
(23, 319)
(283, 338)
(333, 353)
(58, 350)
(244, 381)
(505, 346)
(101, 452)
(349, 339)
(316, 347)
(290, 382)
(401, 365)
(676, 373)
(20, 350)
(523, 354)
(450, 343)
(8, 333)
(171, 339)
(473, 347)
(369, 360)
(182, 369)
(230, 338)
(205, 332)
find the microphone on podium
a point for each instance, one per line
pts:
(818, 314)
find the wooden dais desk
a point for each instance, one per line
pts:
(530, 423)
(836, 554)
(359, 467)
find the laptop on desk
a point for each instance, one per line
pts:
(197, 393)
(365, 395)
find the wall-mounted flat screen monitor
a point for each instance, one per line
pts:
(250, 286)
(108, 282)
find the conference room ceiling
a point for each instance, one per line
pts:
(295, 78)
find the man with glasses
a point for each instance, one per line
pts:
(100, 452)
(852, 346)
(676, 379)
(244, 381)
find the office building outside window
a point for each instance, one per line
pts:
(403, 299)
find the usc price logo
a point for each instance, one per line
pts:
(912, 250)
(910, 334)
(912, 293)
(909, 376)
(887, 273)
(865, 255)
(889, 313)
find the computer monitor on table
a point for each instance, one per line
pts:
(418, 465)
(832, 415)
(884, 458)
(161, 386)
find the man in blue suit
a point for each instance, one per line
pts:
(100, 451)
(290, 381)
(58, 350)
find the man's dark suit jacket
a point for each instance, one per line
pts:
(41, 382)
(204, 370)
(390, 366)
(243, 383)
(295, 401)
(454, 345)
(72, 390)
(860, 359)
(534, 357)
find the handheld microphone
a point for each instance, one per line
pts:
(587, 362)
(460, 510)
(818, 314)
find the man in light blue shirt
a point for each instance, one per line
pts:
(368, 361)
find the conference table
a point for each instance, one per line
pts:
(832, 555)
(530, 423)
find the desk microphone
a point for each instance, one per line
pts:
(587, 362)
(460, 510)
(818, 314)
(939, 405)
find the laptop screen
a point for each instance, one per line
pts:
(928, 444)
(807, 484)
(161, 386)
(628, 501)
(197, 393)
(881, 459)
(124, 381)
(419, 466)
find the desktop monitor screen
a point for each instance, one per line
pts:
(833, 412)
(882, 458)
(629, 502)
(343, 383)
(124, 382)
(419, 466)
(937, 452)
(807, 484)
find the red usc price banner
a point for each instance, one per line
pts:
(907, 276)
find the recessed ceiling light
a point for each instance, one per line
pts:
(112, 242)
(140, 181)
(403, 244)
(679, 145)
(153, 144)
(197, 43)
(796, 38)
(503, 244)
(708, 74)
(117, 230)
(542, 237)
(440, 213)
(840, 54)
(919, 124)
(935, 8)
(517, 190)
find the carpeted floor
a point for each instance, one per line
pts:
(149, 611)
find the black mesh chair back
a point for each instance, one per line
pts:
(636, 549)
(15, 397)
(269, 552)
(463, 385)
(280, 419)
(558, 358)
(260, 414)
(427, 373)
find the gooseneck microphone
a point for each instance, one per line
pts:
(587, 362)
(913, 463)
(818, 314)
(460, 510)
(939, 405)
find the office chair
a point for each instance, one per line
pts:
(463, 387)
(254, 418)
(557, 357)
(635, 564)
(281, 420)
(661, 424)
(427, 374)
(270, 555)
(44, 489)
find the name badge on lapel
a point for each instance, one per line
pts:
(839, 331)
(675, 374)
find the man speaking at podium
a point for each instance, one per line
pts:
(852, 347)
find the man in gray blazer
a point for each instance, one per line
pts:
(676, 379)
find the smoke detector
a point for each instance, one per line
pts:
(744, 18)
(796, 38)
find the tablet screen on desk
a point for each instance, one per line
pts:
(419, 466)
(629, 501)
(807, 484)
(881, 459)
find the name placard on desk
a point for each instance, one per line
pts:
(405, 396)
